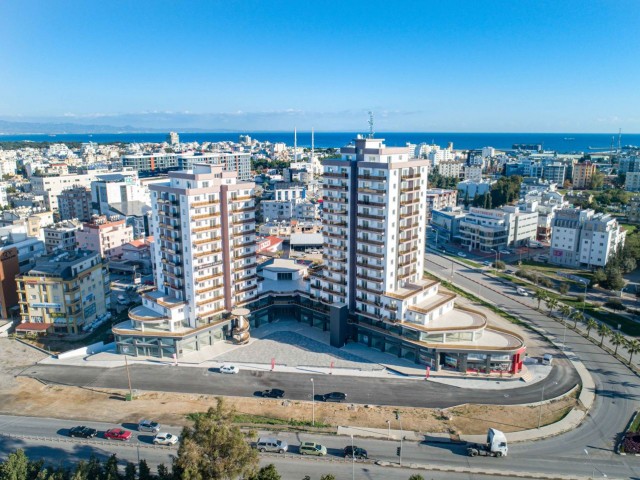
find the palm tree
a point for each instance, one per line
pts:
(578, 316)
(604, 332)
(551, 302)
(540, 295)
(633, 347)
(591, 323)
(617, 339)
(565, 310)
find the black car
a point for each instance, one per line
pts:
(83, 432)
(356, 452)
(273, 393)
(334, 397)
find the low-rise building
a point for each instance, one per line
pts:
(269, 245)
(450, 168)
(492, 229)
(446, 223)
(61, 235)
(584, 238)
(67, 290)
(105, 236)
(438, 199)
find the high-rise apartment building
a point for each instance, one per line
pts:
(75, 203)
(583, 174)
(375, 229)
(205, 263)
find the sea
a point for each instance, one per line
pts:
(559, 142)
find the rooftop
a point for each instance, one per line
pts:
(61, 264)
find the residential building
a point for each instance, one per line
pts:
(632, 182)
(116, 189)
(438, 199)
(75, 203)
(269, 245)
(61, 236)
(9, 268)
(29, 248)
(239, 162)
(450, 168)
(173, 139)
(486, 229)
(280, 275)
(300, 209)
(67, 290)
(629, 164)
(554, 172)
(470, 189)
(473, 172)
(582, 175)
(33, 220)
(138, 253)
(584, 238)
(284, 191)
(204, 262)
(50, 187)
(105, 235)
(374, 230)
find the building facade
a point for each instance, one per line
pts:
(205, 264)
(583, 174)
(492, 229)
(105, 236)
(438, 199)
(51, 187)
(238, 162)
(67, 290)
(75, 203)
(9, 268)
(61, 236)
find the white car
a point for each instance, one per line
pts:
(165, 439)
(229, 369)
(505, 252)
(522, 292)
(462, 254)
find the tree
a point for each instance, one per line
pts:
(604, 332)
(130, 471)
(164, 473)
(111, 469)
(628, 264)
(416, 477)
(500, 265)
(144, 472)
(15, 467)
(591, 323)
(577, 316)
(633, 347)
(552, 303)
(267, 473)
(599, 277)
(597, 181)
(563, 288)
(540, 295)
(214, 448)
(617, 339)
(615, 281)
(565, 310)
(328, 476)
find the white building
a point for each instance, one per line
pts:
(51, 187)
(583, 238)
(173, 139)
(450, 168)
(473, 173)
(632, 182)
(439, 199)
(114, 189)
(238, 162)
(205, 263)
(487, 229)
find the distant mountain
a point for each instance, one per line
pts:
(13, 128)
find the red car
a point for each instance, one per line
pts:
(118, 434)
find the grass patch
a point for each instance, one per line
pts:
(635, 425)
(629, 228)
(262, 420)
(612, 319)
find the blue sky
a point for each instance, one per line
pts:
(466, 66)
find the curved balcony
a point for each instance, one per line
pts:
(140, 313)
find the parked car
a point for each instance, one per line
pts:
(312, 448)
(462, 254)
(118, 434)
(487, 263)
(270, 444)
(505, 252)
(334, 397)
(522, 292)
(273, 393)
(229, 369)
(547, 359)
(148, 426)
(165, 439)
(83, 432)
(357, 452)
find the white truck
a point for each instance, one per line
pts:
(496, 445)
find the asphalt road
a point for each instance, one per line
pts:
(617, 387)
(362, 390)
(53, 445)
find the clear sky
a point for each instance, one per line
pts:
(466, 66)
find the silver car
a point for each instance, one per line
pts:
(148, 426)
(270, 444)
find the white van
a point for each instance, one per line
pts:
(522, 291)
(547, 359)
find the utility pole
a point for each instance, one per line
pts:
(126, 364)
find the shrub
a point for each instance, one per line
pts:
(615, 304)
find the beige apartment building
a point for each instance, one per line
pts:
(66, 290)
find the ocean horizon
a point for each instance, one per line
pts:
(560, 142)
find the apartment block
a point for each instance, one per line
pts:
(582, 174)
(51, 187)
(584, 238)
(238, 162)
(66, 290)
(491, 229)
(438, 199)
(75, 203)
(204, 261)
(116, 189)
(375, 232)
(450, 168)
(9, 268)
(61, 236)
(632, 182)
(105, 235)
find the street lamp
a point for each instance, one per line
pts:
(313, 403)
(353, 460)
(495, 265)
(388, 429)
(584, 301)
(542, 400)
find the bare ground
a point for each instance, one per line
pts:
(25, 396)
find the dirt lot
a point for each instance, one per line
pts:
(24, 396)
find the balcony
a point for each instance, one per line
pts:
(373, 266)
(204, 203)
(246, 289)
(414, 188)
(208, 289)
(244, 220)
(244, 255)
(371, 241)
(370, 278)
(339, 187)
(243, 209)
(204, 253)
(379, 217)
(373, 191)
(204, 241)
(411, 176)
(373, 204)
(209, 300)
(371, 229)
(204, 216)
(336, 199)
(370, 253)
(334, 175)
(375, 178)
(238, 199)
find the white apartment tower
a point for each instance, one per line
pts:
(205, 259)
(374, 219)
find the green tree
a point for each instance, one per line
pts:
(628, 264)
(563, 288)
(164, 473)
(565, 311)
(111, 469)
(597, 181)
(267, 473)
(578, 316)
(500, 265)
(328, 476)
(144, 472)
(617, 339)
(615, 281)
(540, 295)
(130, 471)
(633, 347)
(591, 324)
(552, 303)
(15, 467)
(214, 448)
(604, 332)
(416, 477)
